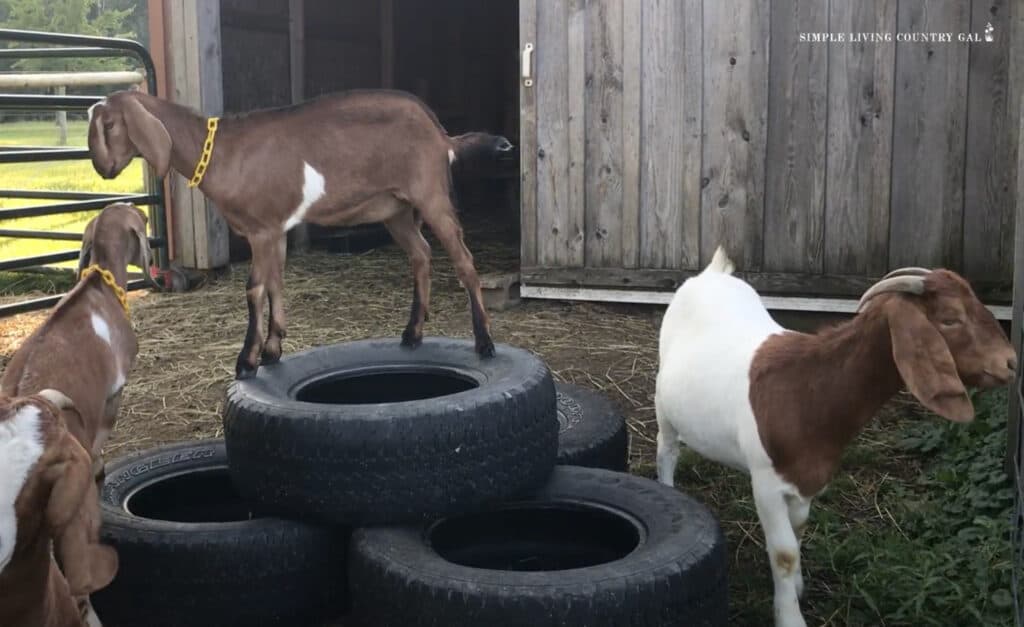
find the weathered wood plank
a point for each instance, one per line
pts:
(298, 237)
(794, 202)
(184, 229)
(576, 219)
(991, 145)
(735, 109)
(852, 286)
(657, 297)
(928, 138)
(552, 132)
(387, 43)
(1015, 32)
(860, 97)
(212, 241)
(528, 140)
(632, 45)
(603, 137)
(671, 136)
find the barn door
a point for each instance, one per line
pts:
(610, 167)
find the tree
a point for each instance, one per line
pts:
(108, 18)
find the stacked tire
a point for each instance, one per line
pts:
(408, 487)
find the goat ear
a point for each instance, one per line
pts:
(85, 255)
(73, 518)
(149, 135)
(142, 259)
(925, 363)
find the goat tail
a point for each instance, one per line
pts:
(474, 146)
(720, 262)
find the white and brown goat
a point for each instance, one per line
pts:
(86, 347)
(780, 405)
(343, 159)
(50, 555)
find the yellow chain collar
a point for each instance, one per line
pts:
(108, 278)
(204, 159)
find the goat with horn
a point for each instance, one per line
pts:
(782, 406)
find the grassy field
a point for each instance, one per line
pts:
(58, 175)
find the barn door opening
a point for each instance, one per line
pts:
(459, 56)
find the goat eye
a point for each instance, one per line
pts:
(108, 125)
(950, 322)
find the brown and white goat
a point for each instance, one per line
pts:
(87, 346)
(344, 159)
(50, 556)
(739, 389)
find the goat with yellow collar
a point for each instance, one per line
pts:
(87, 346)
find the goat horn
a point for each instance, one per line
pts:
(910, 271)
(57, 397)
(911, 284)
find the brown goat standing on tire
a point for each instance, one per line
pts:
(340, 160)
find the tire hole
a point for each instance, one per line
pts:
(203, 496)
(393, 385)
(536, 537)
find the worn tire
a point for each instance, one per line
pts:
(676, 576)
(356, 457)
(591, 432)
(263, 571)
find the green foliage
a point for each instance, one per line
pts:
(56, 175)
(944, 559)
(85, 17)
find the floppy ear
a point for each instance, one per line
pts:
(149, 135)
(73, 518)
(97, 140)
(85, 256)
(925, 363)
(143, 252)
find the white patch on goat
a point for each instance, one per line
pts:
(312, 191)
(451, 156)
(21, 445)
(100, 326)
(100, 102)
(118, 382)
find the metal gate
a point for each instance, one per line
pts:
(70, 46)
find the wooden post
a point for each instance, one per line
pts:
(194, 63)
(387, 43)
(158, 51)
(299, 236)
(1015, 443)
(62, 119)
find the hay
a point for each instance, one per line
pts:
(188, 342)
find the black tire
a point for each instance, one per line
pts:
(591, 432)
(676, 576)
(381, 445)
(263, 571)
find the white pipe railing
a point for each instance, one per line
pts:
(36, 80)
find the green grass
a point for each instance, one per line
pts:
(58, 175)
(913, 530)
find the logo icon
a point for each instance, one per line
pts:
(989, 29)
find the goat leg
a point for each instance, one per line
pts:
(276, 330)
(405, 230)
(448, 231)
(255, 295)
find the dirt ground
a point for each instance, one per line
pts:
(188, 342)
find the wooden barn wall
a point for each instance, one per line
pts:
(342, 50)
(254, 54)
(657, 130)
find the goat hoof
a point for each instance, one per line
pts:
(410, 339)
(269, 358)
(244, 371)
(485, 348)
